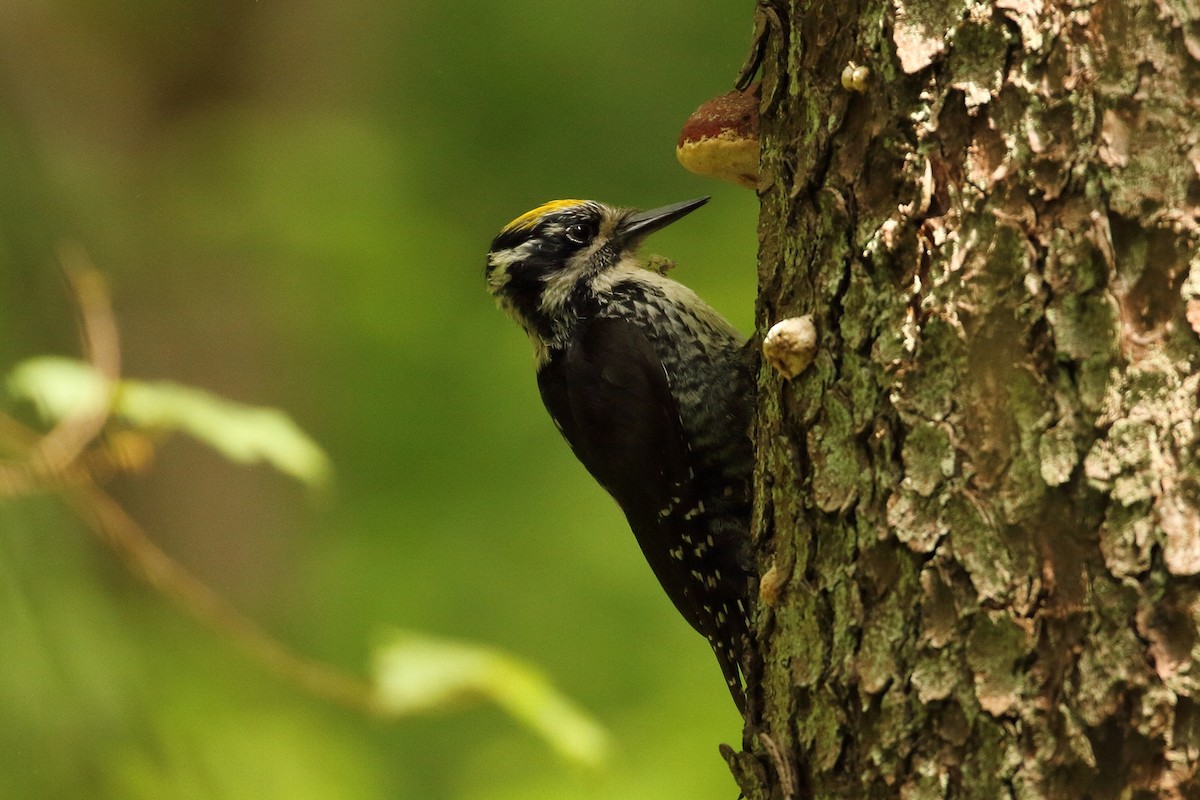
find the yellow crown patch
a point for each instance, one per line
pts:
(530, 218)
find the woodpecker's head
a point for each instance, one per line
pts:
(543, 266)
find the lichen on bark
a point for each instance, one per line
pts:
(982, 497)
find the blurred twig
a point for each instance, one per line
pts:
(68, 460)
(101, 346)
(51, 460)
(116, 528)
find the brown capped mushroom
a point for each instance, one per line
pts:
(720, 138)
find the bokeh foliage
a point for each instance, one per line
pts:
(291, 202)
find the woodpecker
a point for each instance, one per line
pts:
(653, 391)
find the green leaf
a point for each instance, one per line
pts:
(64, 387)
(416, 673)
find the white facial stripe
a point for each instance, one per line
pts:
(502, 260)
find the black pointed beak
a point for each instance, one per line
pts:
(643, 223)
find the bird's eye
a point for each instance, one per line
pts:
(578, 233)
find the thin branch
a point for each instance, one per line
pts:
(101, 347)
(61, 461)
(50, 460)
(116, 528)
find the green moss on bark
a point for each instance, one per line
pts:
(984, 488)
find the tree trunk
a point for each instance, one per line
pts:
(980, 507)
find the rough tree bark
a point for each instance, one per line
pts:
(980, 506)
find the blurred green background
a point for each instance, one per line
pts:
(291, 201)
